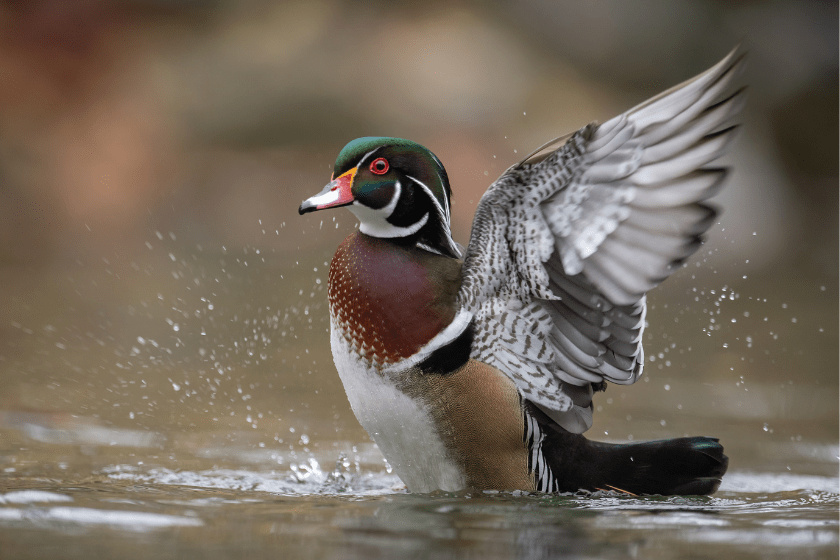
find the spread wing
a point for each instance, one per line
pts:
(564, 247)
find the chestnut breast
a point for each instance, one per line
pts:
(389, 299)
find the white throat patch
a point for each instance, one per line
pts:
(374, 221)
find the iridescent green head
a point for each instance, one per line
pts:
(397, 189)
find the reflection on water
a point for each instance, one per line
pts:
(69, 429)
(340, 513)
(84, 492)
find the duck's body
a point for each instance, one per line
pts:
(479, 373)
(387, 302)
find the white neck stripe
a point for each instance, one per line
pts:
(444, 215)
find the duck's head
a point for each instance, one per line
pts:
(396, 188)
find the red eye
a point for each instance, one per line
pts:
(379, 166)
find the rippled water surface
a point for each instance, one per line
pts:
(311, 512)
(186, 406)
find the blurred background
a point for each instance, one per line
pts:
(161, 301)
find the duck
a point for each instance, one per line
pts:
(476, 368)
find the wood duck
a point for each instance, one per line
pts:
(476, 368)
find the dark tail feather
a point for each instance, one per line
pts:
(691, 466)
(686, 466)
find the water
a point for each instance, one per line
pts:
(184, 405)
(129, 512)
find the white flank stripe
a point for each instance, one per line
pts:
(535, 452)
(530, 429)
(539, 466)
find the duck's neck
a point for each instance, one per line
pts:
(388, 297)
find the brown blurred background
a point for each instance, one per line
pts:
(154, 271)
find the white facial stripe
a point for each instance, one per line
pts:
(444, 215)
(326, 198)
(367, 155)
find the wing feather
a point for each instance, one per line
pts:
(566, 244)
(708, 149)
(626, 278)
(709, 120)
(571, 372)
(612, 144)
(629, 317)
(586, 342)
(624, 363)
(637, 259)
(688, 220)
(569, 305)
(692, 187)
(624, 349)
